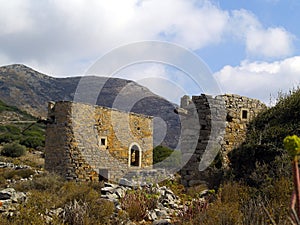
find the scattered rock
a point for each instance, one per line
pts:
(152, 215)
(7, 193)
(168, 203)
(9, 199)
(162, 222)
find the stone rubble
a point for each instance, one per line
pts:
(8, 165)
(9, 199)
(13, 166)
(167, 206)
(168, 203)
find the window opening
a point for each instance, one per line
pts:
(103, 142)
(244, 114)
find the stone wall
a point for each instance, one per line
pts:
(240, 112)
(85, 142)
(222, 121)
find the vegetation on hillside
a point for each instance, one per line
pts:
(262, 156)
(18, 126)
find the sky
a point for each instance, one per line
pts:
(251, 48)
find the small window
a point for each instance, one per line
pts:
(103, 142)
(244, 114)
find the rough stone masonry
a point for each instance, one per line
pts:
(222, 126)
(86, 142)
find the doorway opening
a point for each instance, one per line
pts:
(135, 156)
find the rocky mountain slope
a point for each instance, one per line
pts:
(30, 90)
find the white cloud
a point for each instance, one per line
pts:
(14, 17)
(271, 42)
(260, 79)
(64, 37)
(65, 33)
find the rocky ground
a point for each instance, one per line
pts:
(167, 204)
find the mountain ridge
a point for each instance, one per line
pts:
(30, 90)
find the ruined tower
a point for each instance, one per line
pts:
(222, 123)
(87, 142)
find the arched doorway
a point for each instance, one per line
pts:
(135, 155)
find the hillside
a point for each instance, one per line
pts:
(17, 125)
(30, 91)
(262, 154)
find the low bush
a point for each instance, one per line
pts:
(194, 212)
(223, 210)
(76, 213)
(80, 202)
(13, 150)
(45, 182)
(16, 174)
(8, 138)
(137, 202)
(78, 191)
(100, 211)
(33, 142)
(94, 212)
(237, 203)
(160, 153)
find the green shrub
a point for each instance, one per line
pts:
(160, 153)
(2, 129)
(263, 145)
(13, 150)
(8, 138)
(166, 158)
(33, 142)
(13, 129)
(5, 107)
